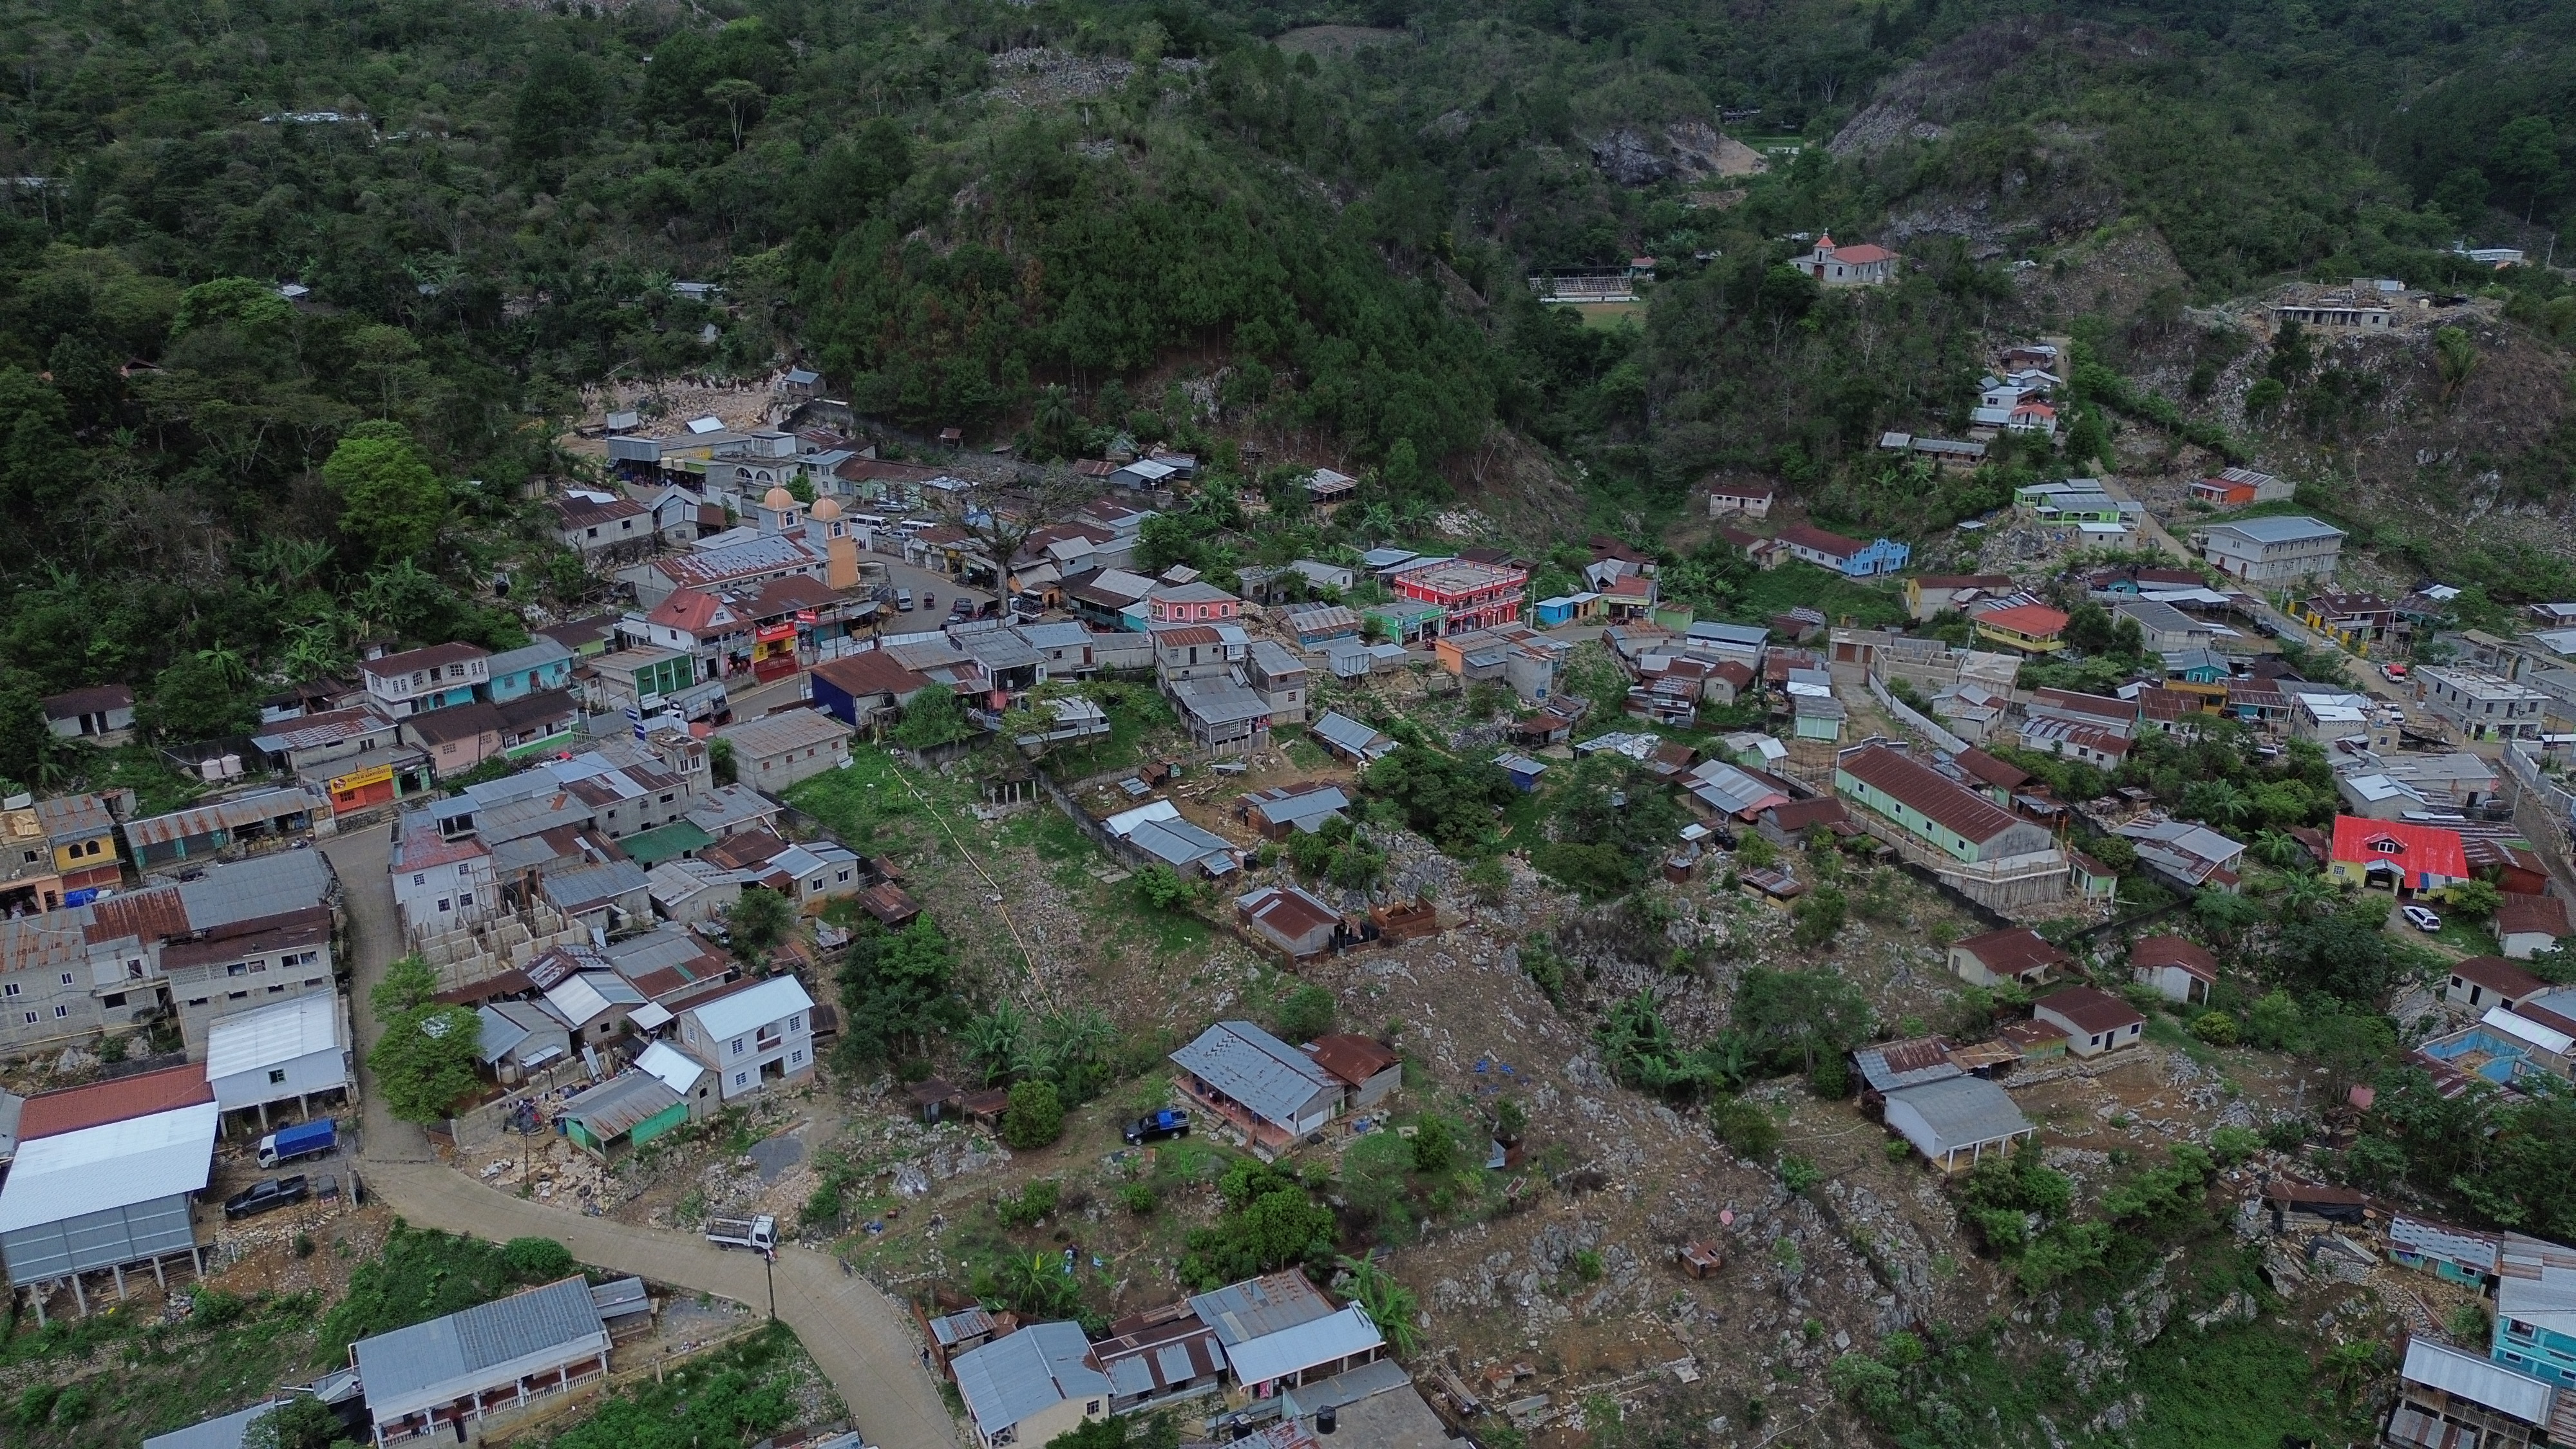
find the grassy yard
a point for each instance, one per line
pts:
(873, 806)
(1776, 591)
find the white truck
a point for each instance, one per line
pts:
(759, 1234)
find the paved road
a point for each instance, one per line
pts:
(2363, 670)
(860, 1338)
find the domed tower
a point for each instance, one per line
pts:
(780, 513)
(827, 531)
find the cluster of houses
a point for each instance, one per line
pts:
(2520, 1391)
(1271, 1359)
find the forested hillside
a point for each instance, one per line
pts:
(1026, 219)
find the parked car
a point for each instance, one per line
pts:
(2393, 672)
(1158, 1126)
(2422, 919)
(259, 1197)
(903, 600)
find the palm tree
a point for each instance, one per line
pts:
(1389, 1304)
(994, 1042)
(1055, 416)
(2307, 895)
(227, 664)
(2279, 850)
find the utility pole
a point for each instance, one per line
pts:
(769, 1270)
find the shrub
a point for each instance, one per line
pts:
(1305, 1014)
(1035, 1117)
(2232, 1145)
(2216, 1028)
(1798, 1174)
(1587, 1265)
(1035, 1202)
(1746, 1129)
(537, 1260)
(1137, 1198)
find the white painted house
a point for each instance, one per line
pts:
(291, 1051)
(754, 1038)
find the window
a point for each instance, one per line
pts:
(31, 1018)
(10, 990)
(420, 880)
(796, 1057)
(796, 1022)
(737, 1046)
(739, 1078)
(236, 996)
(67, 978)
(258, 967)
(277, 1076)
(61, 1011)
(112, 999)
(592, 533)
(464, 899)
(442, 903)
(277, 989)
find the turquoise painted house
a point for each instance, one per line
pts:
(2535, 1315)
(533, 668)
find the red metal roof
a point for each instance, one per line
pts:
(1946, 802)
(1832, 545)
(2417, 849)
(49, 1114)
(2498, 975)
(2031, 621)
(2158, 951)
(1353, 1059)
(2522, 914)
(2012, 951)
(2091, 1009)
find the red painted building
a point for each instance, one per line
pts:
(1470, 594)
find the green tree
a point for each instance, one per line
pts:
(931, 718)
(1304, 1014)
(200, 696)
(897, 989)
(1269, 1224)
(392, 504)
(424, 1062)
(720, 760)
(758, 920)
(1794, 1018)
(1390, 1305)
(1035, 1117)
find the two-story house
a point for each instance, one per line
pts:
(81, 829)
(532, 668)
(754, 1037)
(1281, 679)
(1190, 603)
(443, 878)
(2268, 552)
(418, 680)
(356, 755)
(600, 525)
(1470, 593)
(1193, 651)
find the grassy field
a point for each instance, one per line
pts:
(1609, 316)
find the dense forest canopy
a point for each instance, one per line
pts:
(217, 490)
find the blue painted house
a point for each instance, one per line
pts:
(1849, 557)
(533, 668)
(2535, 1315)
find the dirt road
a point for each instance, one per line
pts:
(861, 1339)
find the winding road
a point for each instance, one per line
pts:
(862, 1340)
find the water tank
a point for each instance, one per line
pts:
(1327, 1419)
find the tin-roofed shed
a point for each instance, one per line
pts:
(1956, 1121)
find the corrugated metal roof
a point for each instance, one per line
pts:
(1350, 735)
(1243, 1311)
(219, 1433)
(276, 884)
(674, 1070)
(2463, 1246)
(253, 809)
(581, 998)
(498, 1036)
(576, 890)
(1276, 1355)
(613, 1107)
(775, 999)
(2479, 1380)
(1963, 1111)
(273, 1035)
(430, 1363)
(71, 1109)
(789, 730)
(1026, 1373)
(1265, 1074)
(112, 1166)
(1900, 1064)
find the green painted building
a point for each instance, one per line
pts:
(624, 1111)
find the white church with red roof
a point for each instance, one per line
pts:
(1860, 266)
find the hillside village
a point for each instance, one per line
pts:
(1257, 915)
